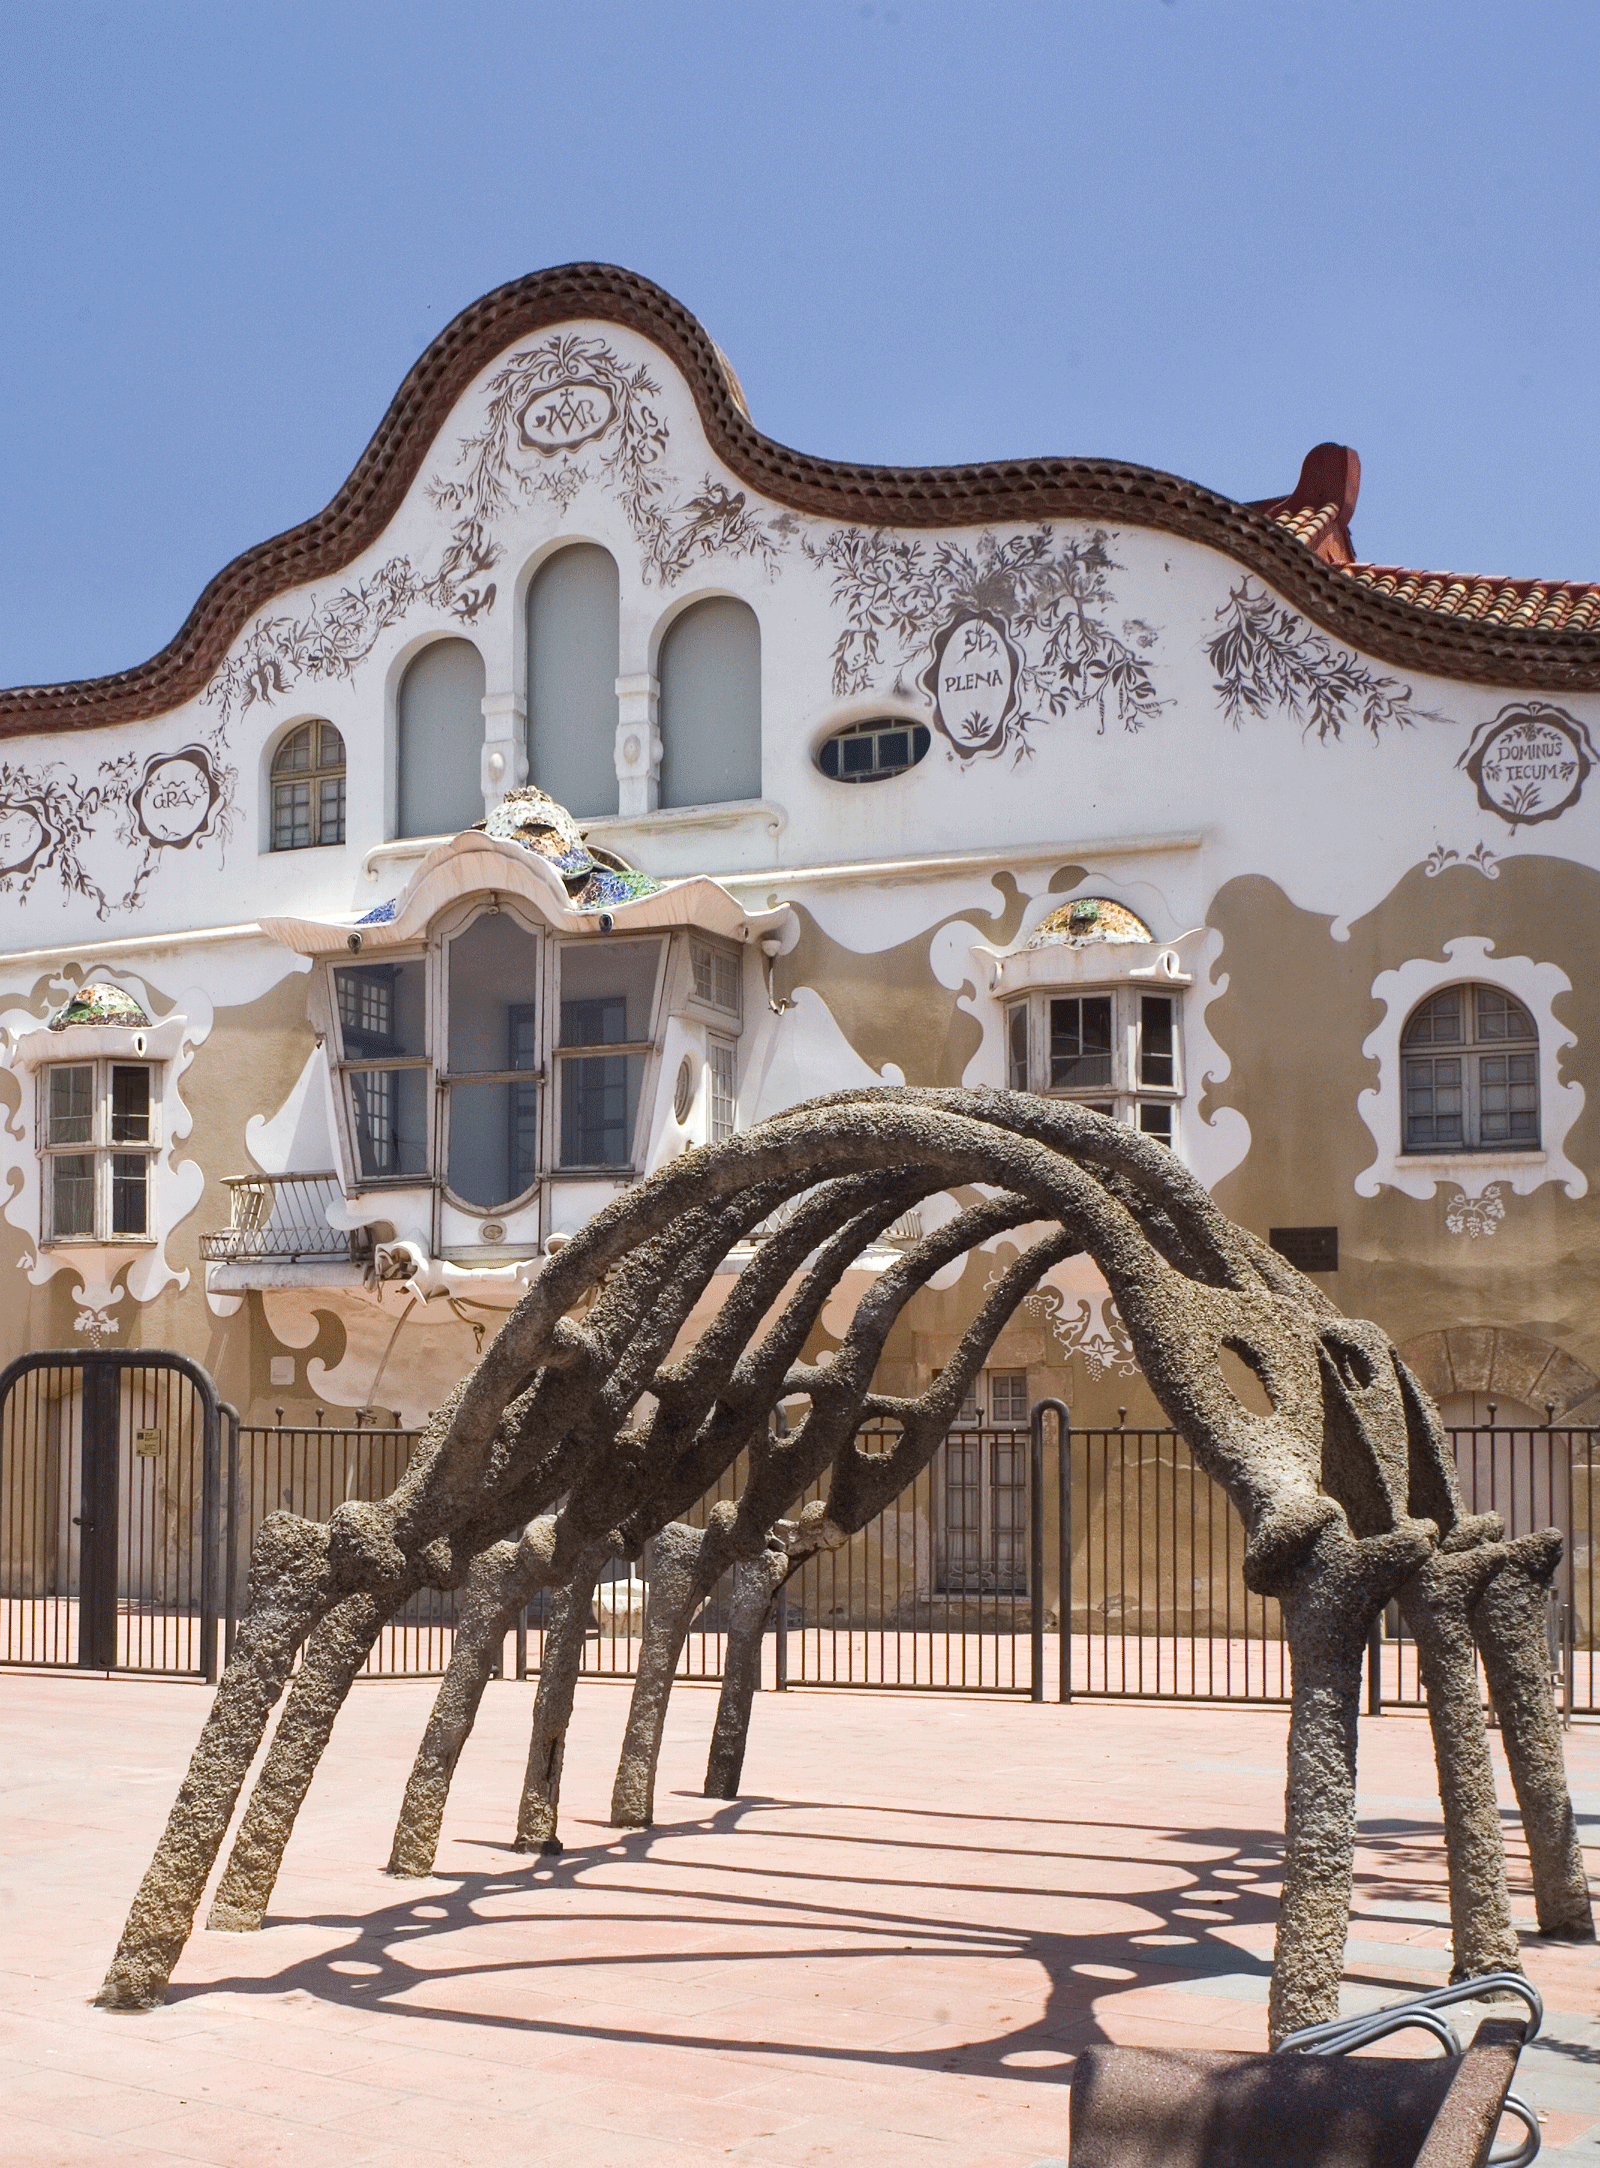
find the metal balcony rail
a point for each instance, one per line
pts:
(283, 1219)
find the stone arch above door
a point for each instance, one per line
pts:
(1506, 1365)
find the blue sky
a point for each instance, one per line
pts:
(1198, 234)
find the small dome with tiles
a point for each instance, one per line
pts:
(100, 1005)
(1089, 919)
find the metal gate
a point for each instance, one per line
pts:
(110, 1512)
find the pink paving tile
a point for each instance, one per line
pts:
(833, 1956)
(50, 2145)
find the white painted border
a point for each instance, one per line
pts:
(1535, 985)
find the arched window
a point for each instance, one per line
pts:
(710, 672)
(441, 741)
(308, 788)
(1471, 1058)
(573, 615)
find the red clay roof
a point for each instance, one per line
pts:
(1318, 510)
(1299, 545)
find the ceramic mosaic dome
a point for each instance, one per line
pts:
(1089, 919)
(100, 1005)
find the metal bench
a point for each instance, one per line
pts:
(1313, 2104)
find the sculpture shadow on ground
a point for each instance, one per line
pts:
(413, 1956)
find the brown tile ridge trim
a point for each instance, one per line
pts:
(1108, 490)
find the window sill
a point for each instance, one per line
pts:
(1471, 1161)
(100, 1242)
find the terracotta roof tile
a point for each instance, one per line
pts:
(1570, 606)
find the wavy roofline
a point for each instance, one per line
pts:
(1401, 633)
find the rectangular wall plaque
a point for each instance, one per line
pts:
(147, 1443)
(1309, 1249)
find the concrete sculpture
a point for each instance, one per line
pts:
(581, 1434)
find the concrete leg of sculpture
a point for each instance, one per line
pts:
(562, 1661)
(335, 1652)
(491, 1601)
(286, 1568)
(755, 1583)
(1434, 1604)
(1329, 1602)
(675, 1595)
(1509, 1622)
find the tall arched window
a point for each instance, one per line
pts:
(308, 788)
(441, 741)
(573, 615)
(710, 672)
(1471, 1058)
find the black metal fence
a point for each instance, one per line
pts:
(110, 1506)
(105, 1505)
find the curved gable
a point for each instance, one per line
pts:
(1414, 636)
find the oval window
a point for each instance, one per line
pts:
(866, 752)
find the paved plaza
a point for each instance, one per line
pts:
(887, 1952)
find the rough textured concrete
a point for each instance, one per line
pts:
(839, 1966)
(1343, 1487)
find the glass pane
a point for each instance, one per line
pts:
(1008, 1502)
(1508, 1100)
(130, 1173)
(71, 1118)
(599, 1102)
(330, 809)
(1155, 1119)
(724, 1092)
(727, 981)
(130, 1105)
(381, 1009)
(1499, 1017)
(494, 971)
(607, 991)
(332, 747)
(1433, 1103)
(1017, 1060)
(391, 1118)
(294, 752)
(700, 959)
(1080, 1042)
(494, 1141)
(963, 1523)
(1008, 1397)
(72, 1194)
(1155, 1039)
(291, 816)
(1437, 1022)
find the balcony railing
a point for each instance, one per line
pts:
(283, 1219)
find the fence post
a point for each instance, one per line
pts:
(780, 1653)
(97, 1518)
(1036, 1557)
(230, 1563)
(1063, 1416)
(210, 1525)
(1375, 1668)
